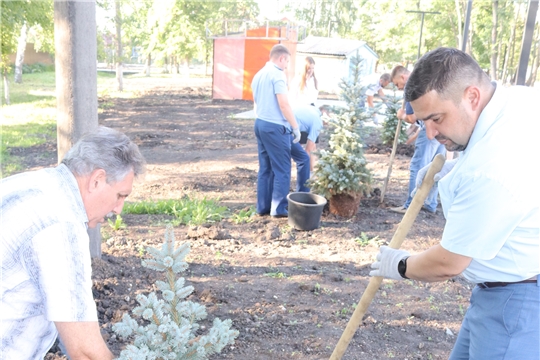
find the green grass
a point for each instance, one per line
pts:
(186, 210)
(30, 119)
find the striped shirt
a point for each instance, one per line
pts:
(45, 259)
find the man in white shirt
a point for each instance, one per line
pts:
(46, 287)
(375, 85)
(491, 201)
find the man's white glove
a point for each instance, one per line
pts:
(447, 167)
(387, 263)
(296, 134)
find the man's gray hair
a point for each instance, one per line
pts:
(448, 71)
(385, 77)
(105, 149)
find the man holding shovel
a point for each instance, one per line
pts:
(491, 201)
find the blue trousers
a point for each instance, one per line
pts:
(502, 323)
(275, 148)
(424, 152)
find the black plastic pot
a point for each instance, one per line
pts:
(305, 210)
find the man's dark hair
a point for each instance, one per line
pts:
(279, 50)
(448, 71)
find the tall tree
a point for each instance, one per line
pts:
(535, 63)
(76, 80)
(119, 51)
(510, 45)
(19, 58)
(494, 42)
(14, 14)
(326, 17)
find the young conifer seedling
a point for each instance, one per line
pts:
(168, 328)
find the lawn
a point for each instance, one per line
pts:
(30, 119)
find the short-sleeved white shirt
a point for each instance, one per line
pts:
(307, 96)
(491, 198)
(268, 82)
(372, 82)
(45, 259)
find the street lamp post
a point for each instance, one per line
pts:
(423, 13)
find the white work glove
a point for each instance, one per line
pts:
(447, 167)
(296, 134)
(387, 263)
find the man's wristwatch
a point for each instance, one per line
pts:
(402, 267)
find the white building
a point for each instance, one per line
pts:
(332, 59)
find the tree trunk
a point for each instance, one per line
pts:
(504, 55)
(166, 64)
(76, 80)
(119, 55)
(313, 23)
(494, 52)
(510, 47)
(21, 47)
(536, 60)
(206, 60)
(6, 87)
(186, 68)
(148, 64)
(460, 25)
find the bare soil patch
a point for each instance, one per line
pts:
(289, 293)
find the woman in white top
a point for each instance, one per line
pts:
(304, 87)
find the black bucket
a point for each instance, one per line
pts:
(305, 210)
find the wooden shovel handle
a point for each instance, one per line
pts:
(397, 240)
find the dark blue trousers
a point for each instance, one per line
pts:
(275, 148)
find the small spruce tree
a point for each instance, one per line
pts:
(168, 326)
(393, 104)
(341, 169)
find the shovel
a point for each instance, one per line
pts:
(397, 240)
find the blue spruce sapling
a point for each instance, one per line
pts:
(341, 169)
(168, 326)
(393, 104)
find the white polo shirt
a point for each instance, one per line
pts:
(372, 84)
(491, 198)
(45, 259)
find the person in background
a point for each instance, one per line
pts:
(424, 148)
(46, 288)
(304, 88)
(310, 123)
(490, 199)
(375, 85)
(277, 133)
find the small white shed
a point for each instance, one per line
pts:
(332, 59)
